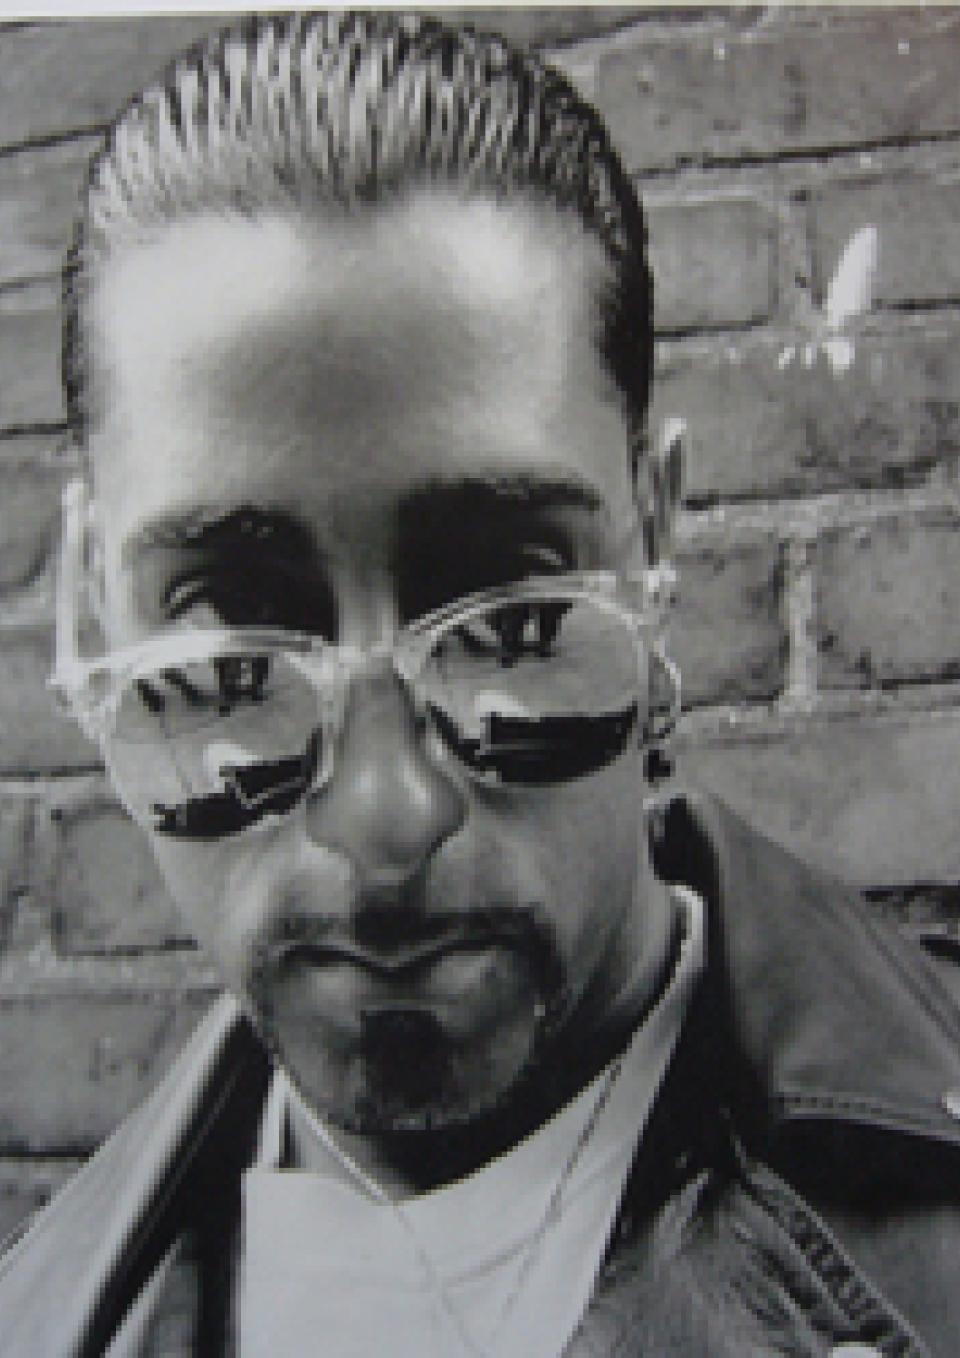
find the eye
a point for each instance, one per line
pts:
(268, 596)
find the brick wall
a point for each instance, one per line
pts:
(819, 631)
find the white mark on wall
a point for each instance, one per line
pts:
(851, 287)
(848, 296)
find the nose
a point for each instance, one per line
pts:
(387, 805)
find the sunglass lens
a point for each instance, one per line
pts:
(215, 746)
(538, 691)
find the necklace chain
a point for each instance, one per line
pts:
(531, 1253)
(552, 1210)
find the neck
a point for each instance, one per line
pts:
(406, 1163)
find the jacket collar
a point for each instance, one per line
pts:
(834, 1018)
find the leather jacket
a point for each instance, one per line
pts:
(797, 1190)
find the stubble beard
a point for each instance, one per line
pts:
(402, 1071)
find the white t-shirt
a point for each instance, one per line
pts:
(501, 1263)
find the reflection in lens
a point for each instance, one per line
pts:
(536, 692)
(540, 751)
(212, 747)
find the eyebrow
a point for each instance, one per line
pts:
(204, 527)
(514, 490)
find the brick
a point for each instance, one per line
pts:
(102, 887)
(918, 260)
(30, 496)
(888, 603)
(73, 1065)
(39, 196)
(800, 82)
(26, 1185)
(60, 77)
(761, 423)
(874, 797)
(727, 634)
(35, 735)
(713, 263)
(30, 391)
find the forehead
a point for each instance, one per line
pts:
(329, 364)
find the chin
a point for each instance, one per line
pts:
(408, 1073)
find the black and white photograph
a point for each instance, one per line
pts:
(480, 682)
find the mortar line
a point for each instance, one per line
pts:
(799, 606)
(807, 516)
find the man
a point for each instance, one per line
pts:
(358, 347)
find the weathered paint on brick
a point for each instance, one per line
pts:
(714, 264)
(60, 77)
(35, 735)
(762, 423)
(39, 197)
(728, 634)
(101, 885)
(888, 603)
(73, 1063)
(801, 81)
(30, 391)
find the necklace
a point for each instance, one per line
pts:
(552, 1211)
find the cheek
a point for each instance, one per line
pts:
(228, 892)
(581, 844)
(195, 876)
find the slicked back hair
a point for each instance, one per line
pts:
(357, 108)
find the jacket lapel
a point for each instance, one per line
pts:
(65, 1284)
(829, 1014)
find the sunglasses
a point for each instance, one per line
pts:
(212, 732)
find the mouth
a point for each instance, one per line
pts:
(472, 970)
(468, 978)
(393, 939)
(402, 961)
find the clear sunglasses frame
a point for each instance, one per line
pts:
(94, 688)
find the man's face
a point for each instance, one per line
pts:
(407, 406)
